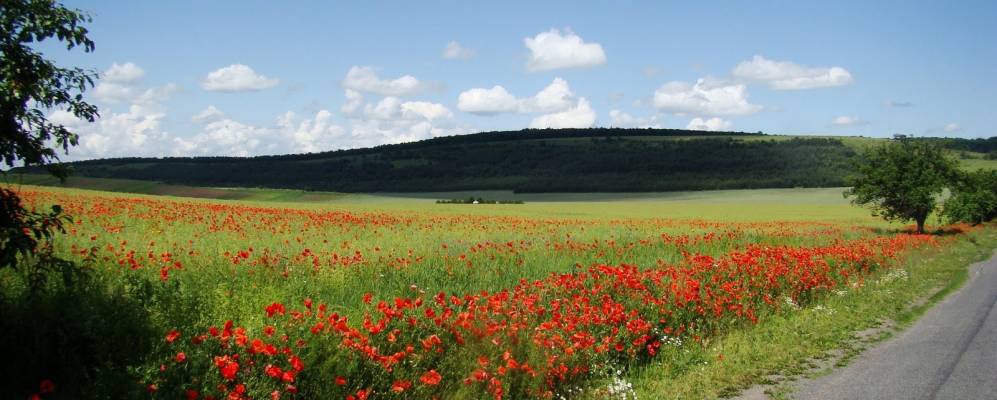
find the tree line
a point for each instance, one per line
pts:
(562, 161)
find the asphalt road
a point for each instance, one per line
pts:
(950, 353)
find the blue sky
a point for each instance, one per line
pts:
(263, 77)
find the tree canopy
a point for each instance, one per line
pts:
(31, 86)
(974, 198)
(902, 180)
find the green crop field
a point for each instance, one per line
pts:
(755, 204)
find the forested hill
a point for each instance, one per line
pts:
(569, 160)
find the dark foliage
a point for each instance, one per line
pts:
(29, 86)
(902, 180)
(573, 160)
(974, 198)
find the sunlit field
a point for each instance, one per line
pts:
(382, 296)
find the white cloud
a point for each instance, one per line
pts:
(785, 75)
(555, 97)
(138, 131)
(354, 102)
(427, 110)
(157, 94)
(704, 98)
(552, 50)
(122, 83)
(561, 108)
(209, 114)
(454, 51)
(847, 120)
(365, 79)
(712, 124)
(313, 134)
(226, 137)
(110, 92)
(290, 134)
(620, 119)
(123, 73)
(135, 132)
(236, 78)
(952, 127)
(487, 101)
(579, 116)
(392, 120)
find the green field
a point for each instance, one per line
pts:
(189, 259)
(732, 205)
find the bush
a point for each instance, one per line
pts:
(974, 198)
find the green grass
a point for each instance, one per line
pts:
(975, 163)
(723, 205)
(788, 344)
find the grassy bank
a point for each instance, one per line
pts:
(795, 343)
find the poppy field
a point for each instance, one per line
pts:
(234, 300)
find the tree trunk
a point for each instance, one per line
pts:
(920, 223)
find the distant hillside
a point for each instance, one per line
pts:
(569, 160)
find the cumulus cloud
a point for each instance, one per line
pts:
(111, 92)
(785, 75)
(551, 50)
(365, 79)
(209, 114)
(621, 119)
(952, 127)
(134, 130)
(454, 51)
(847, 120)
(559, 104)
(236, 78)
(704, 98)
(391, 120)
(712, 124)
(122, 83)
(487, 101)
(427, 110)
(289, 134)
(579, 116)
(555, 97)
(123, 73)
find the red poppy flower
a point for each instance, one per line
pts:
(400, 386)
(172, 336)
(431, 377)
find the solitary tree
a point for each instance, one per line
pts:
(30, 86)
(900, 181)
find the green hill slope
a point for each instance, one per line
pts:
(567, 160)
(599, 160)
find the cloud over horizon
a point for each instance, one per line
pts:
(785, 75)
(561, 108)
(551, 50)
(236, 78)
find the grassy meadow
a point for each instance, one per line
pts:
(288, 294)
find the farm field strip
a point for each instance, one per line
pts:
(250, 300)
